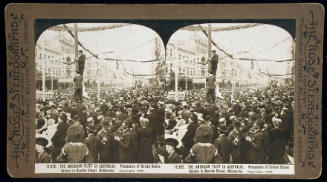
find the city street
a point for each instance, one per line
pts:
(114, 93)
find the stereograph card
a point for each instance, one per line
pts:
(169, 91)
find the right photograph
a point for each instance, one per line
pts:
(230, 94)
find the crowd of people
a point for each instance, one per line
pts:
(117, 126)
(143, 125)
(248, 126)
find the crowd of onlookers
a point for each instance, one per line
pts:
(244, 126)
(142, 125)
(116, 126)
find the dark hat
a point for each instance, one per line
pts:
(135, 111)
(223, 128)
(194, 117)
(260, 122)
(252, 115)
(63, 116)
(40, 123)
(236, 123)
(106, 122)
(171, 141)
(41, 141)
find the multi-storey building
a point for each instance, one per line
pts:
(51, 54)
(187, 54)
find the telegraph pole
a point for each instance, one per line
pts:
(176, 74)
(116, 74)
(75, 42)
(209, 41)
(233, 73)
(43, 74)
(75, 48)
(209, 55)
(52, 69)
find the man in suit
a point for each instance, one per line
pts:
(258, 142)
(213, 63)
(58, 139)
(126, 137)
(237, 140)
(92, 142)
(223, 144)
(211, 95)
(188, 139)
(80, 63)
(78, 87)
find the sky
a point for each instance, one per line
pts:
(137, 42)
(130, 42)
(267, 42)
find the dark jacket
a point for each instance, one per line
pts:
(58, 139)
(44, 157)
(81, 63)
(173, 158)
(257, 151)
(236, 146)
(156, 122)
(224, 144)
(127, 146)
(144, 141)
(188, 139)
(93, 144)
(213, 64)
(277, 142)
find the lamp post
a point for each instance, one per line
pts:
(176, 73)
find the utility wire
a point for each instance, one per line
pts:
(218, 29)
(232, 57)
(79, 43)
(88, 29)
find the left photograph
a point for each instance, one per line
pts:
(98, 94)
